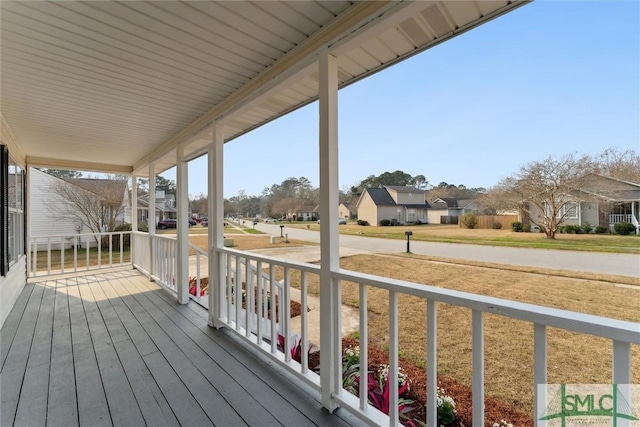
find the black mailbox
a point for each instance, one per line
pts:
(408, 234)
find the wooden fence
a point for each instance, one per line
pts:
(490, 221)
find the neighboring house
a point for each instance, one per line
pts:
(307, 213)
(444, 208)
(401, 204)
(165, 207)
(343, 211)
(53, 214)
(605, 201)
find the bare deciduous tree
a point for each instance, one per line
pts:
(94, 203)
(547, 191)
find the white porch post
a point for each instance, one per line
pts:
(182, 196)
(330, 313)
(151, 220)
(134, 217)
(216, 225)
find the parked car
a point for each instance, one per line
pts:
(163, 224)
(270, 220)
(204, 222)
(173, 223)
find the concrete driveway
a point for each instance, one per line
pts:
(590, 262)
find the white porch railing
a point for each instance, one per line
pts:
(156, 256)
(617, 218)
(259, 283)
(58, 254)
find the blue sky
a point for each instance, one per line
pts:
(547, 79)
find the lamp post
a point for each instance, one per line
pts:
(408, 234)
(281, 230)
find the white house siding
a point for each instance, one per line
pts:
(45, 210)
(11, 286)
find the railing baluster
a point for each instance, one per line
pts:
(392, 375)
(272, 297)
(122, 247)
(87, 250)
(198, 277)
(249, 298)
(259, 303)
(99, 244)
(62, 255)
(478, 367)
(237, 299)
(110, 250)
(48, 255)
(432, 363)
(364, 345)
(539, 370)
(285, 318)
(303, 322)
(75, 254)
(229, 285)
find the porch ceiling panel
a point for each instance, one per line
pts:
(124, 83)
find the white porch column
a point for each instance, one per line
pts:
(134, 217)
(182, 227)
(216, 225)
(151, 220)
(330, 313)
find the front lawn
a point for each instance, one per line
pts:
(454, 234)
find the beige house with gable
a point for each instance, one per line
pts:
(398, 204)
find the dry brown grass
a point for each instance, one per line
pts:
(573, 358)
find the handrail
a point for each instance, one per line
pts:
(59, 242)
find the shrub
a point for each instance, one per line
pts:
(496, 225)
(516, 226)
(469, 220)
(601, 229)
(385, 223)
(572, 229)
(587, 227)
(363, 222)
(143, 227)
(526, 228)
(624, 228)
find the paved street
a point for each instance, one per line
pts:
(591, 262)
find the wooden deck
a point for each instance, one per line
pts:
(114, 349)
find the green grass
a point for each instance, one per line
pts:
(251, 230)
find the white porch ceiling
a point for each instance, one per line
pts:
(114, 85)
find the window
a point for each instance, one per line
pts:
(569, 210)
(12, 213)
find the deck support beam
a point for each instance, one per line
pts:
(182, 196)
(216, 225)
(330, 313)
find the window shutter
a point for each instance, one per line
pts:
(4, 211)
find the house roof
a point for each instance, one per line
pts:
(308, 208)
(115, 86)
(380, 196)
(451, 202)
(610, 188)
(404, 189)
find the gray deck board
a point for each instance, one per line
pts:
(115, 349)
(16, 362)
(35, 388)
